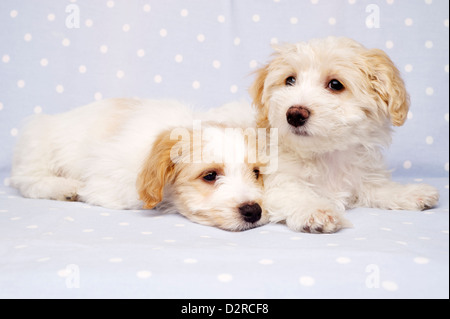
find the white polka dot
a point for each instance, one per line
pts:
(332, 21)
(82, 69)
(253, 64)
(421, 260)
(216, 64)
(233, 89)
(221, 18)
(89, 230)
(140, 53)
(124, 224)
(120, 74)
(32, 227)
(51, 17)
(178, 58)
(225, 277)
(314, 1)
(295, 238)
(389, 285)
(1, 106)
(410, 115)
(408, 22)
(44, 62)
(407, 165)
(428, 1)
(27, 37)
(196, 85)
(43, 259)
(21, 84)
(103, 49)
(65, 42)
(163, 33)
(446, 168)
(184, 13)
(256, 18)
(13, 13)
(146, 233)
(126, 28)
(190, 261)
(429, 44)
(446, 68)
(98, 96)
(389, 44)
(37, 109)
(157, 78)
(237, 41)
(446, 23)
(200, 37)
(293, 20)
(343, 260)
(307, 281)
(143, 274)
(146, 8)
(59, 88)
(390, 1)
(179, 225)
(88, 23)
(429, 91)
(64, 272)
(408, 68)
(266, 261)
(273, 40)
(5, 58)
(429, 140)
(110, 4)
(115, 260)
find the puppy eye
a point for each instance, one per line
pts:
(210, 177)
(335, 85)
(256, 172)
(290, 81)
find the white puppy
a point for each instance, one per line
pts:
(333, 102)
(133, 154)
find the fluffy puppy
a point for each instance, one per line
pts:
(134, 154)
(333, 102)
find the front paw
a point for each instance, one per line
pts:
(415, 197)
(320, 220)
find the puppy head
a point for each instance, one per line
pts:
(209, 176)
(330, 93)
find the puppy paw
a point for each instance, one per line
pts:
(422, 196)
(321, 220)
(67, 190)
(415, 197)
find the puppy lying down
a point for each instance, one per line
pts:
(134, 154)
(333, 102)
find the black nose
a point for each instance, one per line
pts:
(250, 212)
(297, 115)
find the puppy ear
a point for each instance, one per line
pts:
(389, 86)
(256, 91)
(158, 170)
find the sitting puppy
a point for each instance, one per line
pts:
(333, 102)
(127, 154)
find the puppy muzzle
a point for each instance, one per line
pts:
(297, 115)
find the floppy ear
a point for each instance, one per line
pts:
(158, 170)
(389, 86)
(256, 91)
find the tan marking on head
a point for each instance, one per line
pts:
(386, 82)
